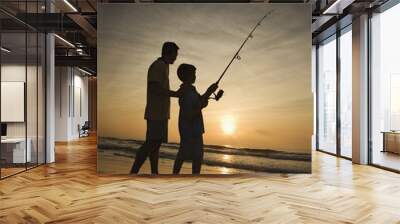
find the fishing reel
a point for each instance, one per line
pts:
(218, 95)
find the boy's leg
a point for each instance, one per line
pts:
(197, 161)
(196, 166)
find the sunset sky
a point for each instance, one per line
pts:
(268, 100)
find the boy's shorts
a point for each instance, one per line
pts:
(191, 149)
(157, 130)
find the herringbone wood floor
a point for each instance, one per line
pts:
(70, 191)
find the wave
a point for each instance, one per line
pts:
(109, 143)
(248, 159)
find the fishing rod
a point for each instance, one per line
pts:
(236, 55)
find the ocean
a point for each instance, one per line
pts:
(243, 159)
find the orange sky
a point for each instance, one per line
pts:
(268, 99)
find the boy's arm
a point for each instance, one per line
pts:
(210, 90)
(193, 109)
(204, 98)
(203, 101)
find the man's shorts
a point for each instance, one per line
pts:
(157, 130)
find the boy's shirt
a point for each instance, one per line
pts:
(188, 102)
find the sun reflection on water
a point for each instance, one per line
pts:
(227, 158)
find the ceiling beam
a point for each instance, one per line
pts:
(82, 61)
(85, 25)
(337, 6)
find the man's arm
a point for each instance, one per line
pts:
(155, 87)
(155, 77)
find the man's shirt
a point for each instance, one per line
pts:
(157, 105)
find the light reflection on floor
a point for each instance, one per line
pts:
(386, 159)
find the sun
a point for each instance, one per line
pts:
(228, 125)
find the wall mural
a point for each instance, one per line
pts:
(204, 88)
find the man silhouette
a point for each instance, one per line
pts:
(157, 112)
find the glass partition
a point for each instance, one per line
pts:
(22, 88)
(14, 153)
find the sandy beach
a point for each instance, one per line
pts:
(108, 163)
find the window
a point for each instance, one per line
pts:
(394, 102)
(327, 95)
(385, 89)
(334, 106)
(346, 92)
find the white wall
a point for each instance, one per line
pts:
(12, 73)
(62, 81)
(80, 111)
(33, 127)
(16, 73)
(71, 93)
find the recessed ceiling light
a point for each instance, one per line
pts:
(5, 50)
(65, 41)
(337, 7)
(70, 5)
(84, 71)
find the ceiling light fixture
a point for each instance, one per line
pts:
(70, 5)
(79, 51)
(84, 71)
(5, 50)
(65, 41)
(337, 7)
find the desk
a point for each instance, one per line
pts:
(391, 141)
(13, 150)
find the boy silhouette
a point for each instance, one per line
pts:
(191, 126)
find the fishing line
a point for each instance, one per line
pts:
(236, 55)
